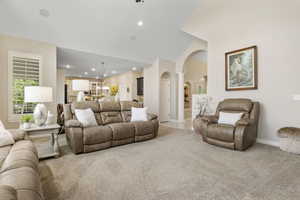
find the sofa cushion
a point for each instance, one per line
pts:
(111, 117)
(122, 130)
(127, 105)
(96, 135)
(24, 145)
(85, 105)
(20, 158)
(8, 193)
(23, 179)
(143, 128)
(221, 132)
(244, 105)
(126, 116)
(110, 106)
(4, 151)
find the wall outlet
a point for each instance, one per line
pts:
(296, 97)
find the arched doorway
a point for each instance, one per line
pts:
(165, 97)
(194, 79)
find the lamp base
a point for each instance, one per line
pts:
(80, 96)
(40, 114)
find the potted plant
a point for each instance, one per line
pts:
(26, 121)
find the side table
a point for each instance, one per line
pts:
(47, 130)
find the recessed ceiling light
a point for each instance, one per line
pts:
(44, 12)
(93, 69)
(85, 73)
(68, 66)
(140, 23)
(113, 71)
(134, 68)
(105, 75)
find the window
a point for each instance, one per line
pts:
(24, 70)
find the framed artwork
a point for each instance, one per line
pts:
(241, 69)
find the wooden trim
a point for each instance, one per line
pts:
(255, 70)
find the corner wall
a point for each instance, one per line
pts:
(272, 25)
(48, 53)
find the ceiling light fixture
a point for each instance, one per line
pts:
(68, 66)
(93, 69)
(85, 73)
(134, 68)
(113, 71)
(105, 75)
(140, 23)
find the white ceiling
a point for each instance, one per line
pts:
(81, 62)
(104, 27)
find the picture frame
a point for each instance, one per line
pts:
(241, 69)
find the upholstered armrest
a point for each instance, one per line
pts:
(244, 122)
(8, 193)
(209, 118)
(151, 116)
(17, 134)
(73, 124)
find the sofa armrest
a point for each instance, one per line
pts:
(244, 122)
(17, 134)
(8, 192)
(73, 124)
(209, 119)
(151, 116)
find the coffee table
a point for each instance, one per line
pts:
(47, 130)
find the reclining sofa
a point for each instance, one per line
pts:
(114, 126)
(19, 173)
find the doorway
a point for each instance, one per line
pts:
(195, 80)
(165, 97)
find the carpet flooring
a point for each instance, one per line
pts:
(175, 166)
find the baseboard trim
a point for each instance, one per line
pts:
(268, 142)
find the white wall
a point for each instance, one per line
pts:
(272, 25)
(60, 86)
(48, 68)
(151, 87)
(152, 76)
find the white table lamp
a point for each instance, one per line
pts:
(40, 95)
(81, 86)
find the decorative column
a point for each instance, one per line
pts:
(180, 96)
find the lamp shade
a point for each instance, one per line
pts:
(80, 85)
(37, 94)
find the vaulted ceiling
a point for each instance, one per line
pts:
(104, 27)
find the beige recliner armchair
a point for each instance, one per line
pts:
(238, 137)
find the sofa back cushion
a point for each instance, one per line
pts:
(126, 109)
(236, 106)
(110, 112)
(93, 105)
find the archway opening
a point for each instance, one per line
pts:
(195, 80)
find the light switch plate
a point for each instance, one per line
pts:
(296, 97)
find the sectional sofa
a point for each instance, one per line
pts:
(114, 126)
(19, 174)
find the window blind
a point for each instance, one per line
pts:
(25, 72)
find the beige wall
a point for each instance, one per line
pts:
(60, 86)
(272, 25)
(48, 54)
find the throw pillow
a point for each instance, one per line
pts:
(86, 117)
(139, 114)
(229, 118)
(6, 137)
